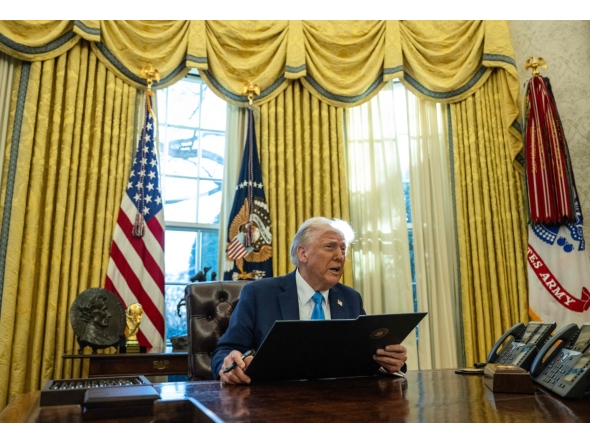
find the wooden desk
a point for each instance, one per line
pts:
(155, 362)
(433, 396)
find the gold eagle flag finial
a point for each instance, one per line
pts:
(534, 63)
(249, 90)
(150, 74)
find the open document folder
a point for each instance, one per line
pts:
(328, 349)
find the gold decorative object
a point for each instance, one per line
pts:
(534, 63)
(161, 365)
(150, 74)
(134, 313)
(249, 90)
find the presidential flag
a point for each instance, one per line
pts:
(249, 241)
(136, 266)
(558, 264)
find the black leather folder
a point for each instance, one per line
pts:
(328, 349)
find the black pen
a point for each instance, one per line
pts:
(233, 365)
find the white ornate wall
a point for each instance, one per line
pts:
(565, 46)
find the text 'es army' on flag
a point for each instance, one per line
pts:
(558, 264)
(136, 265)
(249, 241)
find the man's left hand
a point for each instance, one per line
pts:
(392, 357)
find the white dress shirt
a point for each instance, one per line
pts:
(306, 304)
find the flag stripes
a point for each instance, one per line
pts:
(136, 266)
(236, 250)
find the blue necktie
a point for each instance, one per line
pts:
(318, 310)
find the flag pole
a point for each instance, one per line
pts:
(150, 74)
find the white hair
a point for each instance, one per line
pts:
(314, 224)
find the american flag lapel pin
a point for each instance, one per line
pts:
(339, 302)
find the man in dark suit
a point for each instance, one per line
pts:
(312, 291)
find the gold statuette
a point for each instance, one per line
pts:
(134, 313)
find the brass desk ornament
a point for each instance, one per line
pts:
(133, 314)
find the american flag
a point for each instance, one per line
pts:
(236, 249)
(136, 265)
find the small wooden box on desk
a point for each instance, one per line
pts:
(507, 378)
(155, 362)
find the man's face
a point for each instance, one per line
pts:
(321, 260)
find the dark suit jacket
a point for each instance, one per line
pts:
(265, 301)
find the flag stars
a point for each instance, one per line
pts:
(150, 186)
(152, 175)
(146, 210)
(149, 125)
(153, 162)
(158, 200)
(129, 185)
(147, 138)
(148, 199)
(136, 197)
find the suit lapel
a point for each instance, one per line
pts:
(288, 300)
(337, 308)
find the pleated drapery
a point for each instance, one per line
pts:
(491, 225)
(342, 63)
(301, 144)
(308, 71)
(382, 270)
(66, 166)
(395, 125)
(7, 65)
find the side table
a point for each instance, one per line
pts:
(152, 363)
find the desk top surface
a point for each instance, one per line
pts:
(432, 396)
(425, 396)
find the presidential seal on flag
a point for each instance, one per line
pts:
(249, 242)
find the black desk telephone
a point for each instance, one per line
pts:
(566, 371)
(523, 344)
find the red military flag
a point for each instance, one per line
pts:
(136, 265)
(558, 265)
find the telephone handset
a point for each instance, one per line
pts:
(566, 371)
(523, 344)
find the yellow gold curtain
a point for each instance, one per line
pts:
(302, 155)
(491, 225)
(67, 161)
(307, 71)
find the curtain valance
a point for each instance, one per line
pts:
(342, 63)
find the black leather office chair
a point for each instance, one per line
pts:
(209, 306)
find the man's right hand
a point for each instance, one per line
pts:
(237, 375)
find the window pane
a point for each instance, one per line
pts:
(209, 201)
(180, 199)
(175, 325)
(214, 111)
(181, 151)
(210, 253)
(213, 149)
(180, 257)
(407, 201)
(184, 104)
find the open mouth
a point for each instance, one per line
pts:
(335, 269)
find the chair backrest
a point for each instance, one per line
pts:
(209, 306)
